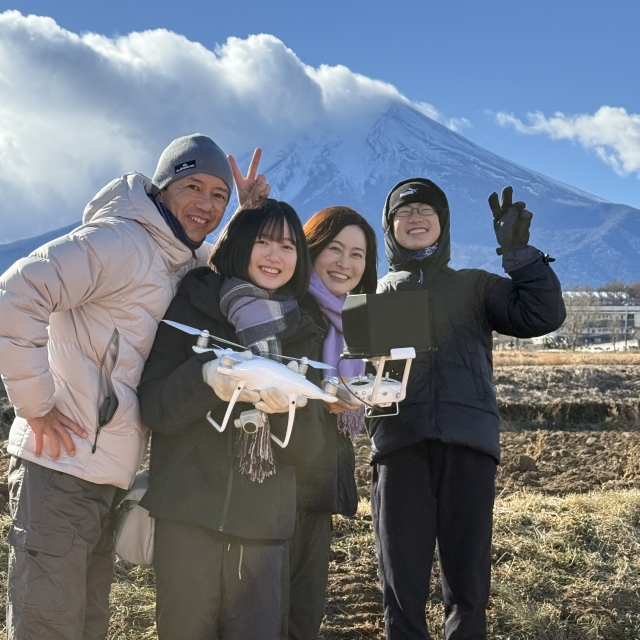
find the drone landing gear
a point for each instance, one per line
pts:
(292, 414)
(232, 403)
(227, 415)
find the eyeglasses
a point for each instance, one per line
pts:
(423, 210)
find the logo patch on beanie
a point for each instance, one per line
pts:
(189, 164)
(408, 192)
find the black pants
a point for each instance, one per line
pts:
(305, 576)
(208, 589)
(425, 493)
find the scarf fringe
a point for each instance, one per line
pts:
(351, 422)
(253, 455)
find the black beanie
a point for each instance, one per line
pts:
(410, 192)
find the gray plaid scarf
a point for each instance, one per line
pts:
(259, 318)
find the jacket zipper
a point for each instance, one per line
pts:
(110, 389)
(227, 500)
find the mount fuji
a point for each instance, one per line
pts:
(593, 241)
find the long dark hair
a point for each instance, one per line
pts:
(265, 219)
(323, 226)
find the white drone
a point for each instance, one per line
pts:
(258, 374)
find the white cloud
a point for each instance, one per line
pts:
(78, 110)
(611, 132)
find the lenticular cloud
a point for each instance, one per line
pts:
(78, 110)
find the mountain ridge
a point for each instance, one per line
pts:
(593, 240)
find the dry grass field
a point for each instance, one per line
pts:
(567, 519)
(509, 358)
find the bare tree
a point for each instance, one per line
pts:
(584, 308)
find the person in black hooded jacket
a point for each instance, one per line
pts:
(434, 463)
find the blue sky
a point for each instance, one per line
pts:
(484, 66)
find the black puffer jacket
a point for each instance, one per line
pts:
(191, 476)
(327, 483)
(450, 396)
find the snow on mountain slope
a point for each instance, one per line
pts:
(593, 240)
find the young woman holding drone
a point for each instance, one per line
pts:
(225, 502)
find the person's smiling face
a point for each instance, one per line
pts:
(417, 230)
(341, 263)
(198, 202)
(272, 262)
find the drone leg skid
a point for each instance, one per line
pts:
(227, 415)
(292, 415)
(232, 403)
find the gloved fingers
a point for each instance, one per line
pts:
(264, 407)
(301, 401)
(247, 355)
(209, 367)
(520, 206)
(275, 399)
(248, 395)
(494, 204)
(506, 199)
(522, 228)
(222, 385)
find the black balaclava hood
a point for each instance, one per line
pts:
(408, 192)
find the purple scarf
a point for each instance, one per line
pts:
(350, 423)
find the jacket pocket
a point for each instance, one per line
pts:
(107, 399)
(43, 566)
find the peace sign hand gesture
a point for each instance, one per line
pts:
(251, 187)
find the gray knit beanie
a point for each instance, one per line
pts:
(196, 153)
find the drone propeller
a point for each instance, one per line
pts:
(312, 363)
(197, 332)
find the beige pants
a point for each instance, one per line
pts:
(61, 556)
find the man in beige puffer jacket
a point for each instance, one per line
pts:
(77, 321)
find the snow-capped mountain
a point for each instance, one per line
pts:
(593, 240)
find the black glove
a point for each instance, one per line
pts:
(510, 221)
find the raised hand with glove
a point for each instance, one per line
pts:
(511, 222)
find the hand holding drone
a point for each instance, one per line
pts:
(257, 377)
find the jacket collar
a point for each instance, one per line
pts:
(126, 198)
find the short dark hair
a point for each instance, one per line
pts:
(323, 226)
(263, 219)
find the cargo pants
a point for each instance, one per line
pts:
(61, 555)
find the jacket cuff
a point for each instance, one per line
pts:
(520, 257)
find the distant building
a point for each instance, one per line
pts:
(593, 318)
(596, 317)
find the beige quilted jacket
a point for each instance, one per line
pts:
(77, 321)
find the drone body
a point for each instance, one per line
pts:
(259, 374)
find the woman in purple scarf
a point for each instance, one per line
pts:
(343, 251)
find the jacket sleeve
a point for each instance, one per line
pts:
(529, 303)
(172, 392)
(94, 262)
